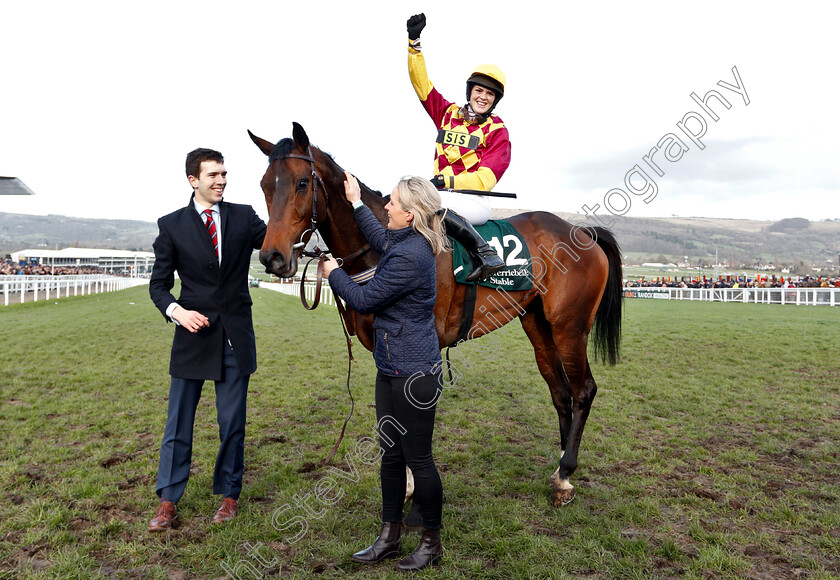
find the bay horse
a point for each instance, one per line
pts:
(576, 282)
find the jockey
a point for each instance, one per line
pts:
(472, 149)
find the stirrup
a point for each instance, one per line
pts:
(490, 263)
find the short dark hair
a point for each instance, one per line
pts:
(198, 156)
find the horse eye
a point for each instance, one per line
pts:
(302, 184)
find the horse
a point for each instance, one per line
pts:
(576, 282)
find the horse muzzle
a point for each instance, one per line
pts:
(277, 264)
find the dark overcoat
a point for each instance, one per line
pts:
(218, 292)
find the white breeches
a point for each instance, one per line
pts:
(473, 208)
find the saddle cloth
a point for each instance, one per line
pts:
(508, 243)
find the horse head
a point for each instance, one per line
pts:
(295, 186)
(304, 191)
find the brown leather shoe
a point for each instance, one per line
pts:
(227, 512)
(165, 518)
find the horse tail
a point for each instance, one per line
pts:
(608, 317)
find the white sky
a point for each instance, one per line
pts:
(101, 101)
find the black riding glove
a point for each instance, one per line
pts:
(438, 181)
(415, 26)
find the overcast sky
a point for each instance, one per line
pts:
(101, 101)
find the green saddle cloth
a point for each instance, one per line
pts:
(502, 237)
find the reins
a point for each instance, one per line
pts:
(318, 254)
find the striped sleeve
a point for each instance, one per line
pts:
(432, 101)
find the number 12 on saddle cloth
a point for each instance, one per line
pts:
(502, 237)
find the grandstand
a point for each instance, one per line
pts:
(121, 262)
(13, 186)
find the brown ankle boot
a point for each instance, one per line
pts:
(387, 545)
(428, 552)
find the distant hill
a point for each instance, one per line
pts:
(794, 242)
(22, 231)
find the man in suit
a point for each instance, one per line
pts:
(209, 243)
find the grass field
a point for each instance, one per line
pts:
(711, 451)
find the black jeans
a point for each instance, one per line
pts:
(405, 415)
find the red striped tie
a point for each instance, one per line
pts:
(211, 228)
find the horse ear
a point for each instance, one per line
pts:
(264, 145)
(300, 136)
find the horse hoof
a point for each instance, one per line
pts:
(562, 492)
(562, 497)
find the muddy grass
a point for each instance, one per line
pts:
(720, 470)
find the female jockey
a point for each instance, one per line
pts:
(472, 149)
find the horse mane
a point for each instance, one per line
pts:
(285, 146)
(282, 148)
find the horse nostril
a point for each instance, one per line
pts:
(271, 258)
(274, 262)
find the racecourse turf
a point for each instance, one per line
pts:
(711, 450)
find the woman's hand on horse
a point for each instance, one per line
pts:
(330, 264)
(351, 188)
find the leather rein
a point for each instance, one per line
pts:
(320, 255)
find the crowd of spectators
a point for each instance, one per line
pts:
(9, 268)
(735, 282)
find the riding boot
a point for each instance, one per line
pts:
(387, 545)
(488, 260)
(428, 552)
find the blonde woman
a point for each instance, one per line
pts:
(401, 297)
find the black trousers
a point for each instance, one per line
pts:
(405, 414)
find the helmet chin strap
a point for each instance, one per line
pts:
(473, 117)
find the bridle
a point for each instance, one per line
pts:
(316, 179)
(316, 253)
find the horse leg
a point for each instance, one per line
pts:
(413, 520)
(550, 364)
(582, 386)
(409, 484)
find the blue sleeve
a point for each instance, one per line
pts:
(396, 278)
(374, 232)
